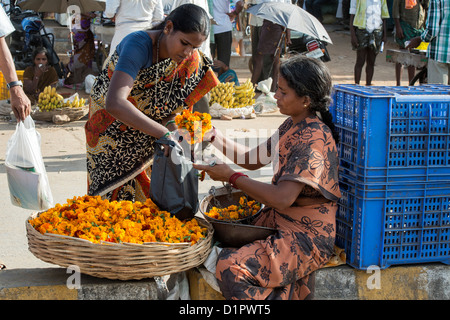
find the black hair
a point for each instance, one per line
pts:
(310, 77)
(188, 18)
(41, 50)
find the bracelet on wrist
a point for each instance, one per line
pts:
(234, 177)
(169, 122)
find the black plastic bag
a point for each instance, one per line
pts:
(174, 181)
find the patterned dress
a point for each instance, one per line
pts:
(279, 266)
(119, 156)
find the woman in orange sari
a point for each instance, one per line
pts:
(301, 201)
(152, 75)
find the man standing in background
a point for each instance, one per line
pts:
(409, 23)
(20, 104)
(132, 15)
(437, 33)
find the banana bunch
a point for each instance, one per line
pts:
(230, 96)
(244, 95)
(223, 94)
(76, 103)
(49, 99)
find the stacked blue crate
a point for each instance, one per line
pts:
(394, 174)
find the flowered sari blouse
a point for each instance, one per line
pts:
(116, 152)
(307, 153)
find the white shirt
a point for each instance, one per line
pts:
(131, 16)
(373, 13)
(6, 26)
(134, 11)
(220, 10)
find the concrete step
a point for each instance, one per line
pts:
(407, 282)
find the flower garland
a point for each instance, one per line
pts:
(195, 124)
(245, 209)
(95, 219)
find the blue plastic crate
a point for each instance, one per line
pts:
(393, 133)
(393, 224)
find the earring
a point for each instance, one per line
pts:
(305, 106)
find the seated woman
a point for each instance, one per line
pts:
(225, 73)
(39, 76)
(301, 201)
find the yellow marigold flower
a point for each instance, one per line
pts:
(96, 220)
(235, 212)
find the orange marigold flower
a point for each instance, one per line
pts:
(97, 220)
(245, 209)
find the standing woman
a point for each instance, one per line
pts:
(301, 201)
(152, 75)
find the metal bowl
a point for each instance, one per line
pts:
(236, 233)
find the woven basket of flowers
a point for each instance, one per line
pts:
(118, 240)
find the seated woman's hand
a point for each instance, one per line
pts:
(217, 170)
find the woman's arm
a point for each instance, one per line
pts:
(250, 159)
(120, 108)
(279, 197)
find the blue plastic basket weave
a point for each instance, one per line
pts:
(393, 133)
(393, 224)
(394, 174)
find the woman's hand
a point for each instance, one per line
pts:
(39, 70)
(217, 170)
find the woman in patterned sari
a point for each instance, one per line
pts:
(301, 201)
(152, 75)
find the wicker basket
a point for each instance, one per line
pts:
(124, 261)
(73, 113)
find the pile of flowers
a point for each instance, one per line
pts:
(96, 220)
(195, 125)
(246, 208)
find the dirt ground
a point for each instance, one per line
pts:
(63, 149)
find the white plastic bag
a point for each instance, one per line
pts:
(216, 111)
(27, 178)
(266, 102)
(89, 83)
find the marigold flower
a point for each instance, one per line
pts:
(194, 124)
(95, 219)
(245, 209)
